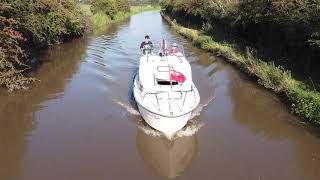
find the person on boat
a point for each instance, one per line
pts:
(164, 48)
(173, 50)
(146, 45)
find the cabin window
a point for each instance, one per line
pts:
(167, 83)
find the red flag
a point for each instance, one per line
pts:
(177, 76)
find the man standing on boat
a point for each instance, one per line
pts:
(146, 45)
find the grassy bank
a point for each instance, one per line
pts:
(303, 100)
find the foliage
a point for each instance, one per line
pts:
(306, 104)
(315, 39)
(110, 7)
(145, 2)
(204, 9)
(207, 28)
(278, 29)
(12, 57)
(140, 9)
(99, 21)
(25, 24)
(304, 101)
(47, 22)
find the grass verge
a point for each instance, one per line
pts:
(302, 99)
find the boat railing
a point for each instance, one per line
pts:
(167, 68)
(158, 50)
(170, 98)
(173, 50)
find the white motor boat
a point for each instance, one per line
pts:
(164, 91)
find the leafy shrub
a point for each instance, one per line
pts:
(202, 41)
(306, 104)
(207, 28)
(46, 22)
(32, 23)
(110, 7)
(12, 57)
(315, 39)
(272, 76)
(204, 9)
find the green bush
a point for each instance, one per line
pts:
(110, 7)
(271, 76)
(204, 9)
(306, 104)
(46, 22)
(12, 56)
(202, 41)
(315, 39)
(27, 24)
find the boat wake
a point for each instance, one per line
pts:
(200, 108)
(129, 108)
(192, 127)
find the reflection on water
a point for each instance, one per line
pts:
(167, 158)
(274, 128)
(17, 109)
(13, 143)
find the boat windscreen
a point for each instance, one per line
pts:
(167, 83)
(172, 50)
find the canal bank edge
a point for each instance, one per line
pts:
(303, 102)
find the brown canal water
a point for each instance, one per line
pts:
(80, 122)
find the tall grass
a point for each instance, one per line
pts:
(100, 21)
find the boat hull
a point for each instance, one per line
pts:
(167, 125)
(165, 107)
